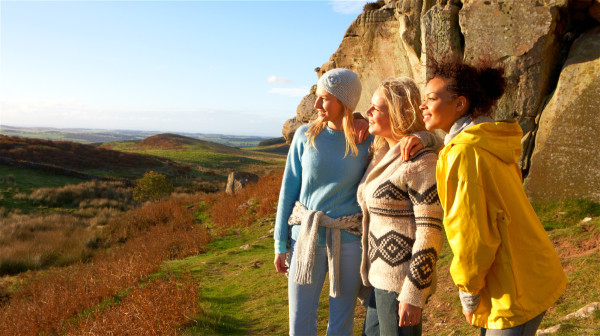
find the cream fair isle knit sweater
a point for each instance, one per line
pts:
(402, 224)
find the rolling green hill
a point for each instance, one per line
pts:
(191, 164)
(203, 154)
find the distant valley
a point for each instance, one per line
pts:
(95, 136)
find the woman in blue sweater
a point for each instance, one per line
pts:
(323, 169)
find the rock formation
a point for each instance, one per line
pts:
(565, 159)
(304, 113)
(551, 85)
(237, 181)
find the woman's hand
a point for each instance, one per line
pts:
(469, 317)
(408, 315)
(361, 130)
(409, 145)
(279, 262)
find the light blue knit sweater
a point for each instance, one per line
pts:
(321, 179)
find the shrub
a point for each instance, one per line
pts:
(76, 194)
(152, 186)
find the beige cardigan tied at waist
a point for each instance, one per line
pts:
(309, 221)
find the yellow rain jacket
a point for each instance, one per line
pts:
(501, 251)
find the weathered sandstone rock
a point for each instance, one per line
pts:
(584, 312)
(306, 109)
(289, 128)
(237, 181)
(523, 35)
(530, 38)
(441, 35)
(304, 114)
(371, 48)
(565, 162)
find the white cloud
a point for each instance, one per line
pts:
(290, 92)
(348, 6)
(278, 80)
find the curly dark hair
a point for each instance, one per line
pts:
(482, 85)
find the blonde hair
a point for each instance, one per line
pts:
(316, 127)
(402, 97)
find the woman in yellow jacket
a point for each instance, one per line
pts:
(504, 264)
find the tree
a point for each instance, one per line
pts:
(152, 186)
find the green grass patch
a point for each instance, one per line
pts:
(556, 215)
(207, 155)
(240, 292)
(14, 181)
(205, 159)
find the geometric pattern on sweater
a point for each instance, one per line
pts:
(391, 212)
(429, 196)
(388, 190)
(432, 222)
(392, 248)
(421, 268)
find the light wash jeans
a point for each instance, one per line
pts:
(304, 299)
(528, 328)
(382, 316)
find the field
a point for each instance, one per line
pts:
(84, 257)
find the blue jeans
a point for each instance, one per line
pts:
(382, 316)
(304, 299)
(528, 328)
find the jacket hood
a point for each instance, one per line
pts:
(502, 139)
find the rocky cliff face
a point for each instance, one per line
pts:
(549, 48)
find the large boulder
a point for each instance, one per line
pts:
(237, 181)
(306, 109)
(565, 162)
(304, 114)
(289, 129)
(526, 36)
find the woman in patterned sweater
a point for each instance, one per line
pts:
(402, 215)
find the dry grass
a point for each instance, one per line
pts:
(36, 242)
(159, 308)
(107, 294)
(153, 233)
(243, 208)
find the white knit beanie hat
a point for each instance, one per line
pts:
(343, 84)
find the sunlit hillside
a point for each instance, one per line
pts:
(80, 256)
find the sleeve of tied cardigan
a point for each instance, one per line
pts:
(421, 275)
(290, 191)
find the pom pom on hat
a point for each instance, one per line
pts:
(343, 84)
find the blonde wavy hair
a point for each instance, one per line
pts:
(316, 127)
(402, 97)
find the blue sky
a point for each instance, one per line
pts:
(230, 67)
